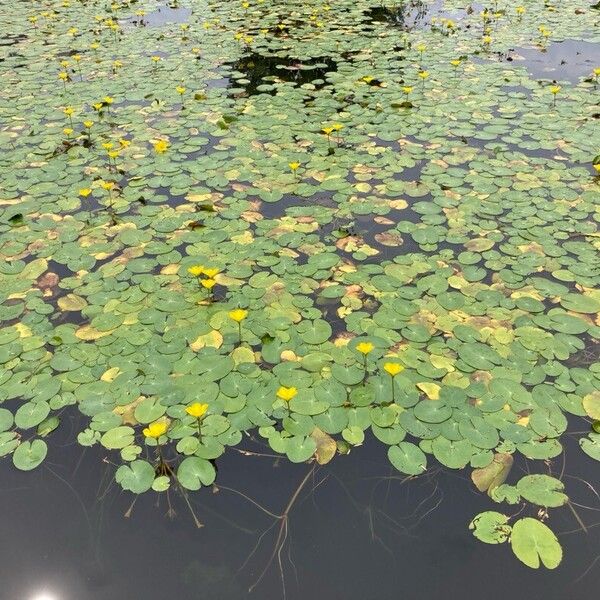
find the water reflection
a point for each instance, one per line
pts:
(254, 70)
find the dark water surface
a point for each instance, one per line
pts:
(354, 533)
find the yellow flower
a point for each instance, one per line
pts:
(327, 130)
(124, 143)
(107, 100)
(294, 166)
(286, 393)
(107, 145)
(486, 39)
(155, 59)
(364, 347)
(597, 71)
(98, 106)
(238, 315)
(85, 192)
(367, 79)
(520, 10)
(161, 146)
(107, 185)
(337, 127)
(77, 57)
(88, 124)
(407, 89)
(155, 430)
(180, 89)
(63, 76)
(68, 111)
(554, 89)
(196, 270)
(421, 48)
(113, 154)
(455, 62)
(196, 409)
(209, 284)
(597, 168)
(211, 272)
(393, 368)
(67, 131)
(423, 74)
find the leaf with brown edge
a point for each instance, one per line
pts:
(495, 474)
(326, 446)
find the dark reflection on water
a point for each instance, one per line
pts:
(260, 70)
(354, 533)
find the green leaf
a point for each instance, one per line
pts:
(591, 445)
(300, 448)
(532, 542)
(28, 455)
(194, 472)
(542, 490)
(148, 410)
(137, 477)
(118, 437)
(354, 435)
(31, 414)
(490, 527)
(408, 458)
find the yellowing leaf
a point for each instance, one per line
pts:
(494, 474)
(244, 238)
(326, 446)
(23, 330)
(89, 333)
(243, 354)
(591, 404)
(213, 338)
(432, 390)
(71, 302)
(170, 269)
(110, 374)
(127, 411)
(442, 362)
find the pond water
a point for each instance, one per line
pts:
(356, 527)
(299, 300)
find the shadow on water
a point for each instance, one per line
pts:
(255, 70)
(357, 530)
(10, 39)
